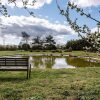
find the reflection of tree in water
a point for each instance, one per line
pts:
(77, 62)
(37, 61)
(43, 61)
(49, 61)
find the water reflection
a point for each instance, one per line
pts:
(43, 62)
(61, 63)
(79, 62)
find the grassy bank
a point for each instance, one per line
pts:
(63, 84)
(74, 53)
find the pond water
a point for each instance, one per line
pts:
(53, 62)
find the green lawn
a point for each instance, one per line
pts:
(74, 53)
(63, 84)
(48, 84)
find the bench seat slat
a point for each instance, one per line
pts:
(13, 69)
(23, 65)
(15, 64)
(13, 58)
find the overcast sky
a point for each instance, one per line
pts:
(47, 20)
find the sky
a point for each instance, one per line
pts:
(47, 20)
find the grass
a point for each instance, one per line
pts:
(48, 84)
(74, 53)
(63, 84)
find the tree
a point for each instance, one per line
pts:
(77, 44)
(26, 3)
(25, 37)
(92, 38)
(25, 47)
(37, 43)
(50, 43)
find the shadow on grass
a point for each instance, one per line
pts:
(13, 79)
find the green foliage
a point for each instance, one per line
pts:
(25, 47)
(12, 94)
(8, 47)
(44, 44)
(77, 44)
(50, 43)
(37, 43)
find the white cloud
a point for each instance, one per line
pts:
(10, 39)
(86, 3)
(60, 39)
(19, 3)
(33, 26)
(40, 3)
(95, 29)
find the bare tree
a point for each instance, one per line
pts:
(25, 37)
(26, 3)
(92, 38)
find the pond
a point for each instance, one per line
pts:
(55, 62)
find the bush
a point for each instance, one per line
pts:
(76, 44)
(26, 47)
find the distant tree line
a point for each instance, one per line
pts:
(39, 44)
(79, 44)
(8, 47)
(47, 43)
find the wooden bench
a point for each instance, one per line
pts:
(15, 64)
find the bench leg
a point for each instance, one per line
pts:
(27, 74)
(30, 71)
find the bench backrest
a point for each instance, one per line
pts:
(14, 61)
